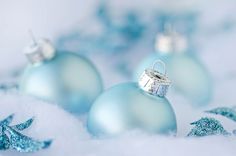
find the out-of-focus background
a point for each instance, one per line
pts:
(117, 49)
(213, 25)
(116, 35)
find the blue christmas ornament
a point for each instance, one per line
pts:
(130, 106)
(60, 77)
(189, 76)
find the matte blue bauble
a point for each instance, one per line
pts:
(189, 77)
(67, 79)
(127, 107)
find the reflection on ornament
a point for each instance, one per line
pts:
(61, 77)
(130, 106)
(189, 77)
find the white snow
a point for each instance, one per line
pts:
(71, 138)
(49, 18)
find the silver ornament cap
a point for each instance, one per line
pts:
(171, 42)
(154, 82)
(39, 51)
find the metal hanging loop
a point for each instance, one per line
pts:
(160, 63)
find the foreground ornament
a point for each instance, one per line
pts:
(11, 138)
(131, 106)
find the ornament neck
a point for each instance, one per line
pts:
(170, 42)
(154, 82)
(39, 51)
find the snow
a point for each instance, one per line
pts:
(216, 50)
(71, 138)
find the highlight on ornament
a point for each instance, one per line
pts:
(12, 138)
(134, 106)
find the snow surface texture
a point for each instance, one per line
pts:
(71, 138)
(216, 50)
(50, 122)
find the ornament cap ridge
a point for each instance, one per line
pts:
(154, 82)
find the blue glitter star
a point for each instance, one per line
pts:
(4, 142)
(224, 111)
(11, 138)
(207, 126)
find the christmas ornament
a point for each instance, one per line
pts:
(207, 126)
(11, 138)
(61, 77)
(187, 73)
(130, 106)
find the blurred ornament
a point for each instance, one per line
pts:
(11, 138)
(187, 73)
(207, 126)
(130, 106)
(61, 77)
